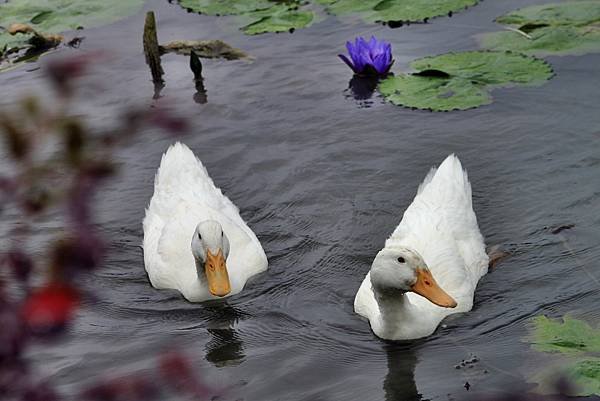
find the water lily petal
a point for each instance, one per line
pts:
(347, 61)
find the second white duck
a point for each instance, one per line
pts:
(430, 265)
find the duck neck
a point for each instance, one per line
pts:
(398, 318)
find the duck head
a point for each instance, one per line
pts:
(210, 247)
(400, 270)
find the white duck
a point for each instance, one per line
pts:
(431, 263)
(195, 240)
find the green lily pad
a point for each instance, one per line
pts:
(569, 336)
(577, 13)
(460, 81)
(59, 15)
(585, 377)
(551, 29)
(226, 7)
(258, 16)
(579, 344)
(64, 15)
(278, 19)
(396, 10)
(582, 375)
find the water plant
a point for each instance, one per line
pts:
(578, 343)
(549, 29)
(462, 80)
(53, 17)
(261, 16)
(371, 58)
(396, 12)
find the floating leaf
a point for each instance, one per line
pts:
(279, 20)
(550, 29)
(226, 7)
(396, 10)
(582, 376)
(576, 13)
(433, 93)
(59, 15)
(585, 376)
(568, 336)
(573, 338)
(261, 15)
(460, 81)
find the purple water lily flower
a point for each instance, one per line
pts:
(369, 58)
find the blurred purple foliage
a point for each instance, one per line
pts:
(45, 178)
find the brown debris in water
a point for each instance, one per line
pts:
(39, 41)
(495, 255)
(204, 48)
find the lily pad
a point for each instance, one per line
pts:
(585, 376)
(582, 376)
(57, 16)
(64, 15)
(578, 343)
(258, 16)
(551, 29)
(396, 10)
(569, 336)
(460, 81)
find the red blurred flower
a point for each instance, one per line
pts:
(50, 308)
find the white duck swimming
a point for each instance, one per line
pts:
(195, 240)
(431, 263)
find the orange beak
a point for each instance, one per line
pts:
(216, 274)
(428, 288)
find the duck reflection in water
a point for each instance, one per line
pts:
(225, 347)
(399, 383)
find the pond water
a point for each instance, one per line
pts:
(323, 179)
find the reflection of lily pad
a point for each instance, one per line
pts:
(557, 29)
(460, 81)
(396, 10)
(261, 15)
(569, 336)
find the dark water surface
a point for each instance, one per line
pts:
(323, 179)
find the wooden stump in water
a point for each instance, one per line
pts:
(152, 49)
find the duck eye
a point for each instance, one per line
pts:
(222, 234)
(401, 260)
(199, 237)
